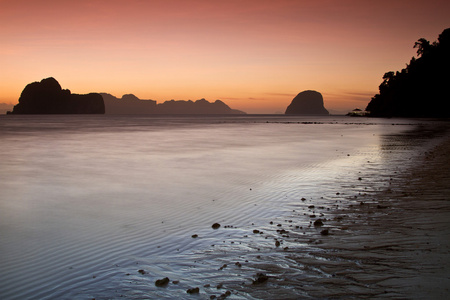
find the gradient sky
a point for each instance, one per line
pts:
(255, 55)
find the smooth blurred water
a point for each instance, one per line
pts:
(85, 199)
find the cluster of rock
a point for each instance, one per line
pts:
(47, 97)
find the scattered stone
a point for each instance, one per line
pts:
(162, 282)
(359, 178)
(207, 285)
(277, 243)
(260, 278)
(142, 272)
(238, 264)
(176, 282)
(195, 236)
(381, 206)
(325, 232)
(318, 223)
(303, 199)
(312, 216)
(223, 267)
(219, 286)
(193, 291)
(215, 226)
(311, 206)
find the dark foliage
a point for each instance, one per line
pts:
(422, 89)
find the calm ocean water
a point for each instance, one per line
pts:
(87, 201)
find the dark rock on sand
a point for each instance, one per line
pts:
(142, 272)
(195, 236)
(215, 226)
(260, 278)
(325, 232)
(193, 291)
(318, 223)
(162, 282)
(307, 103)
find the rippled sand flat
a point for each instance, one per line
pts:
(102, 207)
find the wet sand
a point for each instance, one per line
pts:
(398, 244)
(380, 191)
(392, 244)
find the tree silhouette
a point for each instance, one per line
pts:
(422, 88)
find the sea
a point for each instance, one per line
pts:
(103, 206)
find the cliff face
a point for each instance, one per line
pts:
(47, 97)
(422, 88)
(307, 103)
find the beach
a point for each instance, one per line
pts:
(327, 208)
(391, 244)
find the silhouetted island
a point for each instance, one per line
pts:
(307, 103)
(422, 88)
(130, 104)
(127, 105)
(47, 97)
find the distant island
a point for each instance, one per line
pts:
(422, 88)
(47, 97)
(130, 104)
(307, 103)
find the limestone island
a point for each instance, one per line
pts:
(47, 97)
(129, 104)
(307, 103)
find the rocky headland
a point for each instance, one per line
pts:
(47, 97)
(421, 89)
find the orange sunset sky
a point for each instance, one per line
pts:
(255, 55)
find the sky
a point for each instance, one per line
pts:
(255, 55)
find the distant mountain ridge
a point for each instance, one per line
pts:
(130, 104)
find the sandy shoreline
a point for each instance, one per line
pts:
(391, 244)
(400, 242)
(381, 197)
